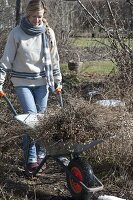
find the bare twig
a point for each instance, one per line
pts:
(2, 192)
(9, 139)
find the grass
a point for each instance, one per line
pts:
(96, 42)
(89, 42)
(102, 67)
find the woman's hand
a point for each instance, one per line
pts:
(2, 93)
(58, 87)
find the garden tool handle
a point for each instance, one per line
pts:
(59, 97)
(3, 95)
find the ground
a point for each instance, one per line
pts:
(80, 120)
(91, 123)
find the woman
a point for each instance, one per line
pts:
(31, 57)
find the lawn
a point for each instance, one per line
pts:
(89, 42)
(102, 67)
(99, 67)
(97, 42)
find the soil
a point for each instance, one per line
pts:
(51, 184)
(85, 121)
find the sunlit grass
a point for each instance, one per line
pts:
(89, 42)
(102, 67)
(99, 67)
(97, 42)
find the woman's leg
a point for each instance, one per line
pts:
(33, 100)
(41, 94)
(26, 98)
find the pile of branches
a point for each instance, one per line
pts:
(79, 122)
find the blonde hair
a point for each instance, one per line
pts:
(35, 5)
(38, 5)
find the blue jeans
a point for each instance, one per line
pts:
(36, 152)
(33, 99)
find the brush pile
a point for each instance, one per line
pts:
(79, 122)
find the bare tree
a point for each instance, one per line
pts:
(116, 29)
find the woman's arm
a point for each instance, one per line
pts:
(55, 57)
(8, 57)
